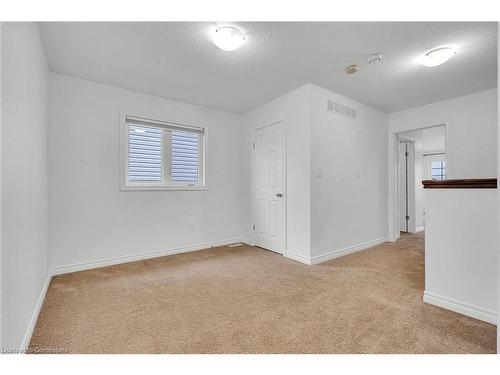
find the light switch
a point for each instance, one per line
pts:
(319, 172)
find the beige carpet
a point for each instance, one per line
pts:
(248, 300)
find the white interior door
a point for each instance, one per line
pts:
(407, 186)
(269, 187)
(402, 187)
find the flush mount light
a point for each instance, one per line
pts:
(437, 56)
(351, 69)
(228, 38)
(375, 59)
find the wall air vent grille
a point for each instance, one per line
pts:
(341, 109)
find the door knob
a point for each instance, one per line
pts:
(279, 195)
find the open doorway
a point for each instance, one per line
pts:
(421, 155)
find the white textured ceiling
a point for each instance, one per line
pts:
(177, 60)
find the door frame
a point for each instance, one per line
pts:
(393, 209)
(252, 181)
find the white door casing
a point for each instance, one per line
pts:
(269, 203)
(394, 195)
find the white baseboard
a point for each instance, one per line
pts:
(394, 237)
(345, 251)
(248, 241)
(463, 308)
(34, 316)
(59, 270)
(298, 257)
(419, 229)
(334, 254)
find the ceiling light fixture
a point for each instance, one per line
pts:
(375, 59)
(351, 69)
(228, 38)
(437, 56)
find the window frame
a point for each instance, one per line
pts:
(167, 183)
(442, 169)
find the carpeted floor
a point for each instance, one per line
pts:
(248, 300)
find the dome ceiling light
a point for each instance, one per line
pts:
(228, 38)
(351, 69)
(437, 56)
(375, 59)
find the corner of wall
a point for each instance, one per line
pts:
(294, 109)
(334, 139)
(1, 255)
(498, 206)
(24, 120)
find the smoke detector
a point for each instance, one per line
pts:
(375, 59)
(351, 69)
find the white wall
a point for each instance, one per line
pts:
(1, 105)
(23, 177)
(294, 109)
(345, 208)
(498, 217)
(91, 220)
(349, 201)
(473, 126)
(461, 251)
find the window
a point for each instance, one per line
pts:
(438, 170)
(161, 156)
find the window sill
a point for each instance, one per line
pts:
(161, 187)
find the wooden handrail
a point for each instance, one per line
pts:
(462, 183)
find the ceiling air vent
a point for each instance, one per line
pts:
(341, 109)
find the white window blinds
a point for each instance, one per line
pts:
(145, 160)
(163, 154)
(184, 156)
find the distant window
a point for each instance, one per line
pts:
(438, 170)
(161, 155)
